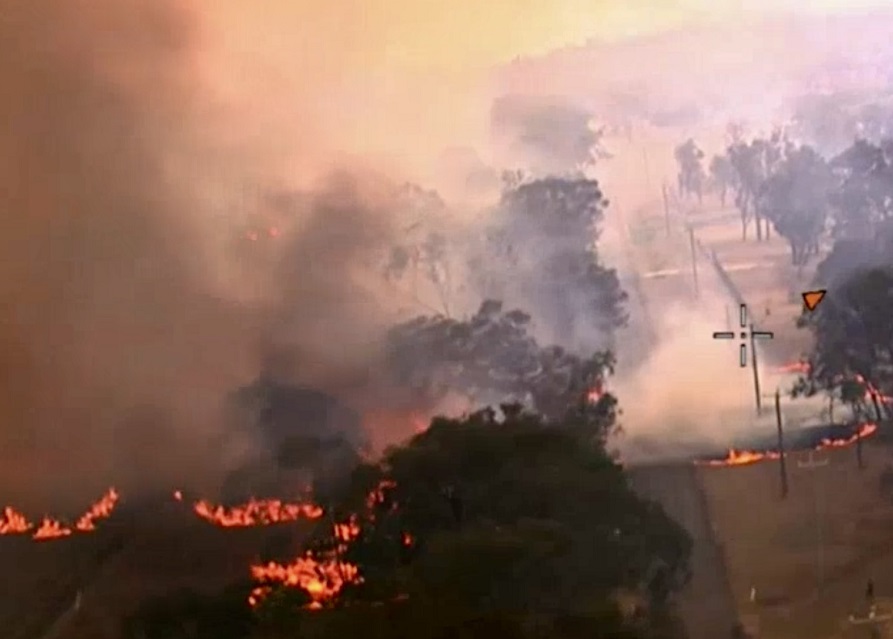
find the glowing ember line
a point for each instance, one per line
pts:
(262, 512)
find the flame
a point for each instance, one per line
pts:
(746, 457)
(865, 430)
(51, 529)
(102, 509)
(741, 458)
(595, 393)
(323, 575)
(870, 391)
(178, 495)
(321, 579)
(257, 512)
(14, 522)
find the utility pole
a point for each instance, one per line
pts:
(813, 465)
(781, 453)
(756, 370)
(666, 209)
(694, 260)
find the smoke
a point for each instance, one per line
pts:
(128, 316)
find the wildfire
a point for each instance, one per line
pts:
(746, 457)
(102, 509)
(322, 580)
(870, 391)
(595, 393)
(741, 458)
(323, 576)
(865, 430)
(51, 529)
(13, 522)
(257, 512)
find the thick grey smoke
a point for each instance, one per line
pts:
(122, 329)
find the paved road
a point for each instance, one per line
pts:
(706, 605)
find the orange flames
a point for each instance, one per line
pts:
(257, 512)
(322, 576)
(15, 523)
(865, 430)
(741, 458)
(100, 510)
(746, 457)
(870, 391)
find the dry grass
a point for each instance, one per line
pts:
(772, 544)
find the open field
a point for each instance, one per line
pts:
(763, 273)
(833, 528)
(140, 552)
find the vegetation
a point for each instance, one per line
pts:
(541, 254)
(521, 526)
(553, 136)
(691, 177)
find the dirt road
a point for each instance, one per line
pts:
(706, 605)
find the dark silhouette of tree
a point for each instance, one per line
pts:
(863, 201)
(753, 163)
(691, 176)
(492, 355)
(543, 246)
(423, 254)
(554, 136)
(853, 352)
(722, 176)
(795, 198)
(523, 549)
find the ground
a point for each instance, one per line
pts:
(160, 548)
(832, 529)
(754, 539)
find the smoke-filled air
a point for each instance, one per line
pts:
(195, 196)
(434, 316)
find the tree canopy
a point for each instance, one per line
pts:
(492, 356)
(541, 254)
(519, 522)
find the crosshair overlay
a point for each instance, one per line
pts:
(743, 335)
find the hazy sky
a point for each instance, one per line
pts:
(462, 32)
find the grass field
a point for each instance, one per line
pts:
(809, 556)
(833, 529)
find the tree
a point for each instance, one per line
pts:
(853, 352)
(493, 511)
(492, 356)
(553, 136)
(753, 163)
(691, 175)
(542, 254)
(423, 253)
(795, 198)
(722, 176)
(863, 201)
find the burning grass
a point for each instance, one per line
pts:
(816, 439)
(15, 523)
